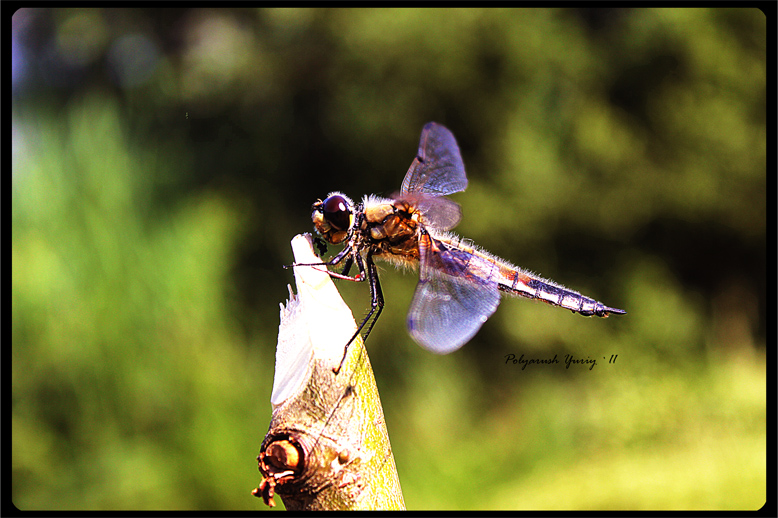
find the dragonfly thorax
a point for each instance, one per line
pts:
(394, 221)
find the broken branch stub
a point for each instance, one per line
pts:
(327, 447)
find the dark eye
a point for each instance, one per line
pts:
(337, 212)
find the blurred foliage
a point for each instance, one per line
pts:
(163, 159)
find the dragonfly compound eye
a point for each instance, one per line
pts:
(337, 212)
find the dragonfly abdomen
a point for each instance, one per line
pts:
(526, 286)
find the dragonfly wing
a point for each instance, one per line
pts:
(436, 211)
(455, 296)
(438, 168)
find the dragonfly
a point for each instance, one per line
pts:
(460, 285)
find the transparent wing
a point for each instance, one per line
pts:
(438, 168)
(436, 211)
(456, 294)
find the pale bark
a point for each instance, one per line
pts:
(327, 447)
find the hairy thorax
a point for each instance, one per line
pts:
(391, 228)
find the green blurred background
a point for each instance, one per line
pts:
(163, 160)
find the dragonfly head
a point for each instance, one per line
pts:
(333, 218)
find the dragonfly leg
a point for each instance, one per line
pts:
(344, 273)
(347, 266)
(376, 302)
(347, 255)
